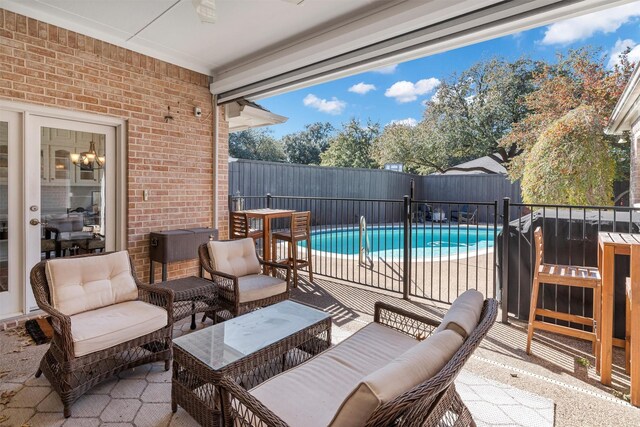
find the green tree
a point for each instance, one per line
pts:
(466, 118)
(256, 144)
(571, 162)
(352, 146)
(305, 147)
(578, 79)
(419, 148)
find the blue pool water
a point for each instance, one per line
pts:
(427, 242)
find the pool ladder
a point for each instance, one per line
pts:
(363, 238)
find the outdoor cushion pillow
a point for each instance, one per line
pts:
(416, 365)
(109, 326)
(87, 283)
(464, 312)
(320, 385)
(235, 257)
(253, 287)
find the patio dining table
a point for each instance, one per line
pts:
(610, 245)
(266, 215)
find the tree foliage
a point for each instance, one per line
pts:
(256, 144)
(352, 147)
(305, 147)
(466, 119)
(571, 162)
(579, 79)
(419, 148)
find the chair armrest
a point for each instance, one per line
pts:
(160, 297)
(61, 324)
(412, 324)
(247, 409)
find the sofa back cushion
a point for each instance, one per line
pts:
(82, 284)
(416, 365)
(234, 257)
(464, 314)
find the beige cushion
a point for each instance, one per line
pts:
(234, 257)
(258, 286)
(406, 371)
(465, 311)
(82, 284)
(108, 326)
(310, 394)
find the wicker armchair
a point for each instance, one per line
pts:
(434, 402)
(70, 371)
(232, 295)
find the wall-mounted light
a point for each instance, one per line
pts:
(625, 137)
(168, 116)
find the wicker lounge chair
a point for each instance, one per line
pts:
(238, 272)
(385, 374)
(104, 321)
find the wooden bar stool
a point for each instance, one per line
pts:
(632, 328)
(300, 230)
(564, 275)
(240, 228)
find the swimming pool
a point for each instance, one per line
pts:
(387, 242)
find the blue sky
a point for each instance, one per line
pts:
(397, 92)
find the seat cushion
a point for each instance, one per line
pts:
(464, 312)
(108, 326)
(416, 365)
(258, 286)
(82, 284)
(234, 257)
(310, 394)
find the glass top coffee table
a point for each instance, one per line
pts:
(249, 349)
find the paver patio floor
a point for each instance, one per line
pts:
(499, 385)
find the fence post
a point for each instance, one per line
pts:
(268, 200)
(230, 203)
(406, 253)
(504, 278)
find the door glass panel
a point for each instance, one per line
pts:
(4, 206)
(72, 196)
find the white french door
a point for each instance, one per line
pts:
(11, 247)
(69, 208)
(49, 205)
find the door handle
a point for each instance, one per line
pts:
(34, 221)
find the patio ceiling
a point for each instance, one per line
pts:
(258, 48)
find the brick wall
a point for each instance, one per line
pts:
(47, 65)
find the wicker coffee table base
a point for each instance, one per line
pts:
(196, 386)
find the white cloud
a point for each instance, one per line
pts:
(362, 88)
(405, 91)
(410, 121)
(389, 69)
(619, 47)
(333, 106)
(583, 27)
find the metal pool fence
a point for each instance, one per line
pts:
(437, 250)
(427, 249)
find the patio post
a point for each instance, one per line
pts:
(504, 276)
(406, 253)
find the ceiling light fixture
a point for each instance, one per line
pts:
(206, 10)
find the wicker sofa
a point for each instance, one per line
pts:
(398, 370)
(104, 321)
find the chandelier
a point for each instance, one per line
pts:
(88, 160)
